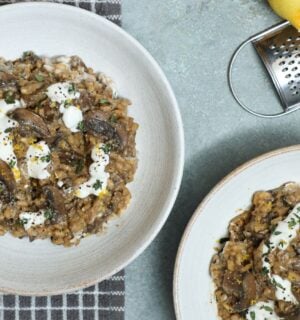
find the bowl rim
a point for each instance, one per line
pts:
(178, 166)
(201, 208)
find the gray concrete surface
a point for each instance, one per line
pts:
(193, 41)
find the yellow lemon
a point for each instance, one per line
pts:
(288, 9)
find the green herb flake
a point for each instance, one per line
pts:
(72, 88)
(12, 163)
(7, 130)
(276, 284)
(252, 315)
(281, 243)
(23, 221)
(9, 97)
(265, 270)
(113, 119)
(67, 103)
(267, 308)
(277, 233)
(80, 126)
(104, 102)
(48, 214)
(27, 54)
(223, 240)
(97, 185)
(106, 148)
(39, 78)
(46, 158)
(79, 164)
(292, 223)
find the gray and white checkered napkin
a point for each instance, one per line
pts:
(110, 9)
(104, 301)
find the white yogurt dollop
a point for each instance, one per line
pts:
(280, 239)
(72, 117)
(6, 145)
(31, 219)
(38, 159)
(262, 311)
(64, 93)
(61, 92)
(98, 176)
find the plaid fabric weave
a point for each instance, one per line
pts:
(104, 301)
(110, 9)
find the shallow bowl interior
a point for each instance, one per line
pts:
(193, 288)
(51, 29)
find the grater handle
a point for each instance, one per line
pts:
(234, 93)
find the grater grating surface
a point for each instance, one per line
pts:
(279, 49)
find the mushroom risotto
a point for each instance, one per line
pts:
(67, 149)
(256, 270)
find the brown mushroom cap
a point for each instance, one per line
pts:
(7, 180)
(248, 295)
(55, 199)
(30, 120)
(97, 123)
(7, 177)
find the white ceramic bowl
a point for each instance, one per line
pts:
(41, 268)
(193, 288)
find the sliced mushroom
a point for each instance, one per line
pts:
(97, 123)
(7, 80)
(55, 199)
(8, 182)
(232, 283)
(7, 177)
(249, 293)
(30, 121)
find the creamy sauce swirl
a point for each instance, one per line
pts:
(31, 219)
(38, 158)
(262, 311)
(7, 153)
(280, 239)
(63, 93)
(97, 182)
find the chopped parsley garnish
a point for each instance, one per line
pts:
(106, 148)
(72, 88)
(265, 270)
(223, 240)
(23, 221)
(277, 233)
(12, 163)
(113, 119)
(276, 284)
(97, 185)
(104, 102)
(67, 103)
(281, 243)
(292, 223)
(7, 130)
(78, 165)
(80, 126)
(39, 78)
(252, 315)
(46, 158)
(9, 97)
(27, 54)
(48, 214)
(267, 308)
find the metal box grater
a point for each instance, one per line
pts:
(279, 49)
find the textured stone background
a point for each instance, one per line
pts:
(193, 41)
